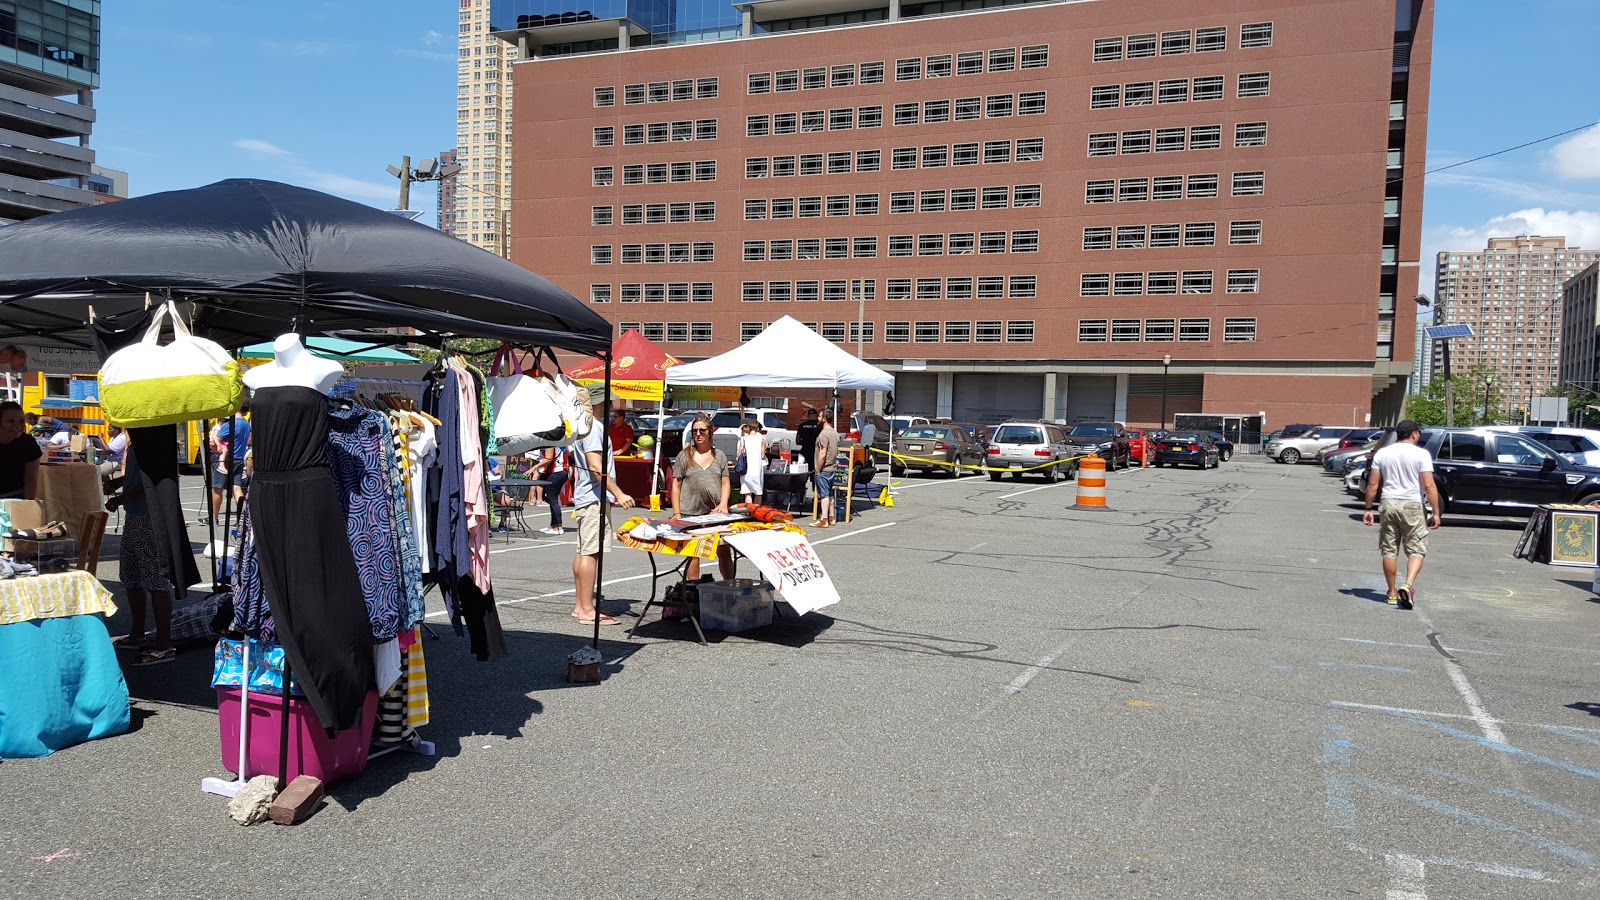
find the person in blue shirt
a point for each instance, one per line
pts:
(234, 434)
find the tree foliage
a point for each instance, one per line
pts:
(1479, 399)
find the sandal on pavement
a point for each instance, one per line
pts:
(156, 657)
(604, 620)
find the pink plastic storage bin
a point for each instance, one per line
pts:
(311, 751)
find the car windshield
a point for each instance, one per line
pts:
(924, 433)
(1018, 434)
(900, 423)
(677, 423)
(1093, 431)
(1181, 438)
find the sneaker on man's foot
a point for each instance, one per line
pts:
(1394, 599)
(1404, 591)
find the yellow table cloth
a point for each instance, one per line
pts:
(53, 596)
(701, 546)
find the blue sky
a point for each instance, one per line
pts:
(325, 94)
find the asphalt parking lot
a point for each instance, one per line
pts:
(1198, 694)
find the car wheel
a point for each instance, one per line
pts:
(1226, 455)
(1050, 475)
(1289, 457)
(1157, 463)
(994, 476)
(897, 471)
(1016, 476)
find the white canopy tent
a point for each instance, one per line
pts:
(786, 355)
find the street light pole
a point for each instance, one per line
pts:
(861, 336)
(1166, 363)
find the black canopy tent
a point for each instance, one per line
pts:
(255, 258)
(253, 255)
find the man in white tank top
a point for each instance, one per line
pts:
(1401, 473)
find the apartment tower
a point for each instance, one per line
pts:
(482, 190)
(1511, 294)
(49, 68)
(1067, 210)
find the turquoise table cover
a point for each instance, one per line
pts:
(60, 685)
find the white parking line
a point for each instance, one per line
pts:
(1032, 489)
(535, 546)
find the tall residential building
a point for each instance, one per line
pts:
(448, 192)
(1020, 208)
(49, 68)
(483, 131)
(1580, 329)
(108, 184)
(1510, 293)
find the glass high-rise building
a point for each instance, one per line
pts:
(49, 68)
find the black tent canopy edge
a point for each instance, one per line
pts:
(57, 315)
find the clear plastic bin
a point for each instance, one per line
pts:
(737, 605)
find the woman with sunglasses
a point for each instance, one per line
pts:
(700, 486)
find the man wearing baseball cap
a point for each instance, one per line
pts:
(592, 473)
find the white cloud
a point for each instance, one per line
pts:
(260, 147)
(1514, 189)
(344, 185)
(1580, 227)
(1578, 157)
(432, 37)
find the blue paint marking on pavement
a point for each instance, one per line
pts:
(1570, 854)
(1397, 670)
(1554, 809)
(1495, 745)
(1571, 733)
(1336, 747)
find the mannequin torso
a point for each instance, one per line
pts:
(294, 366)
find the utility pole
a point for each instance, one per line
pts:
(405, 182)
(427, 170)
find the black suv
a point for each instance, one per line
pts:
(1500, 473)
(1108, 440)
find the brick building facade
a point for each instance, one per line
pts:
(1025, 208)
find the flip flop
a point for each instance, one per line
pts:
(604, 620)
(155, 657)
(818, 524)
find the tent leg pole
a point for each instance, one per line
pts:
(605, 498)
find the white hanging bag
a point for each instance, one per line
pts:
(527, 414)
(150, 383)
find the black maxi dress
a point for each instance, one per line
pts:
(308, 572)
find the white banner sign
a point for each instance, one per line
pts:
(791, 564)
(51, 360)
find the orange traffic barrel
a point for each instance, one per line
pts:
(1091, 484)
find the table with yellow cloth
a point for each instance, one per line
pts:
(702, 546)
(60, 682)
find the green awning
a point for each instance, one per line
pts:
(336, 349)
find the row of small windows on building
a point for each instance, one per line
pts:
(962, 287)
(1099, 331)
(657, 173)
(1134, 284)
(1167, 140)
(1171, 187)
(671, 332)
(681, 252)
(1016, 331)
(1192, 234)
(930, 112)
(656, 213)
(655, 292)
(657, 132)
(963, 243)
(658, 92)
(1174, 43)
(1002, 59)
(954, 200)
(933, 156)
(1175, 90)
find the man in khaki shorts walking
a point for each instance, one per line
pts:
(1402, 471)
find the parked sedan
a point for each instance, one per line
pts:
(1136, 444)
(1224, 446)
(1108, 440)
(1187, 448)
(935, 448)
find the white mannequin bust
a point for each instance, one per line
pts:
(294, 366)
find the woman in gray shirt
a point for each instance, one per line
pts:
(700, 486)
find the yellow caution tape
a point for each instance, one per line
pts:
(984, 468)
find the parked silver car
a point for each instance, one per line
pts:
(1027, 446)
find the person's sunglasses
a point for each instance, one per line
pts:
(699, 431)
